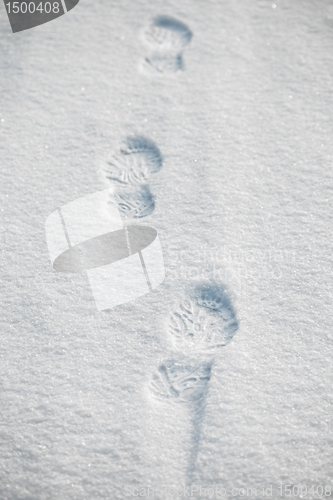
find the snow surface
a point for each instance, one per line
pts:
(244, 197)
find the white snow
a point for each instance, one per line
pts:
(244, 196)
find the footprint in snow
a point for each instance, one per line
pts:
(128, 170)
(167, 38)
(201, 323)
(135, 202)
(204, 321)
(180, 382)
(134, 162)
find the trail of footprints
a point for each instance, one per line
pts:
(128, 170)
(204, 322)
(167, 38)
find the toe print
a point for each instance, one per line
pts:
(204, 321)
(167, 38)
(167, 34)
(137, 158)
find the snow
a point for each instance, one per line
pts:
(243, 198)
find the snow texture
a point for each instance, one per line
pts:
(237, 99)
